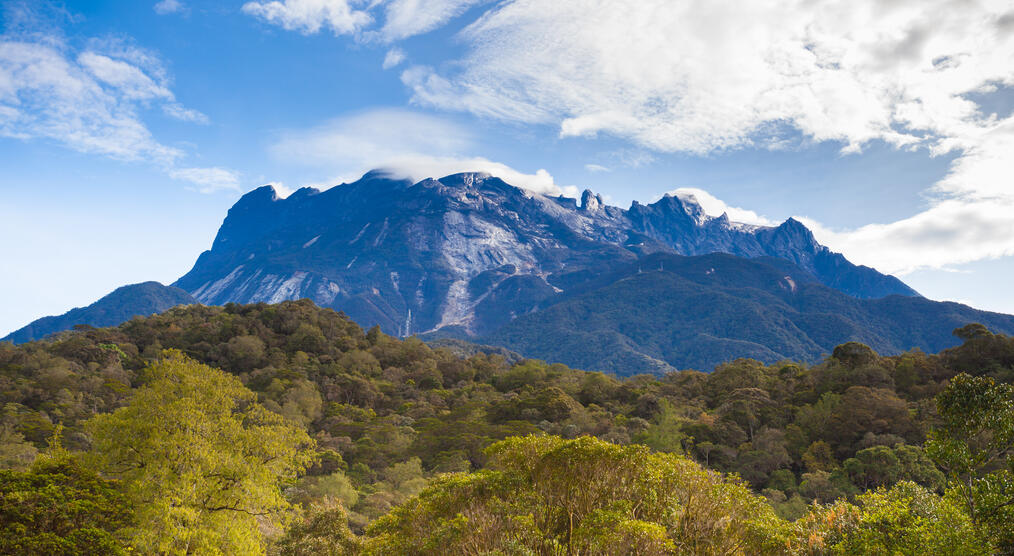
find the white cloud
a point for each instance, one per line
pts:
(596, 168)
(169, 7)
(281, 189)
(701, 76)
(91, 99)
(406, 18)
(394, 57)
(402, 18)
(408, 143)
(89, 104)
(310, 16)
(971, 217)
(208, 180)
(715, 207)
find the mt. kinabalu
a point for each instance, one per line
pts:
(648, 289)
(467, 253)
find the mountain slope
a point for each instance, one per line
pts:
(671, 312)
(119, 306)
(467, 253)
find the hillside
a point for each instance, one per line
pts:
(387, 417)
(667, 312)
(118, 306)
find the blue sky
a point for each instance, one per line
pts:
(127, 129)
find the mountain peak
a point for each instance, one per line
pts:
(265, 193)
(465, 179)
(591, 202)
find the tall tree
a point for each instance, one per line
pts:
(974, 445)
(199, 459)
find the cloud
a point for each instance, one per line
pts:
(165, 7)
(90, 98)
(208, 180)
(401, 18)
(596, 168)
(394, 57)
(406, 18)
(80, 102)
(715, 207)
(310, 16)
(971, 216)
(700, 76)
(281, 189)
(406, 142)
(703, 76)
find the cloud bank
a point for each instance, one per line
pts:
(706, 76)
(408, 143)
(702, 76)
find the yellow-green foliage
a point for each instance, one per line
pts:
(547, 495)
(199, 459)
(905, 520)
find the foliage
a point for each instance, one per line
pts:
(390, 417)
(58, 507)
(199, 460)
(906, 519)
(974, 445)
(324, 531)
(544, 494)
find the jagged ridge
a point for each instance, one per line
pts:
(468, 252)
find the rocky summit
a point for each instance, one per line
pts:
(648, 289)
(467, 253)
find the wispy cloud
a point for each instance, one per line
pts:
(700, 77)
(311, 16)
(165, 7)
(91, 98)
(409, 143)
(714, 206)
(208, 180)
(401, 18)
(394, 57)
(89, 102)
(406, 18)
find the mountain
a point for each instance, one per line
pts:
(464, 255)
(121, 305)
(471, 258)
(668, 312)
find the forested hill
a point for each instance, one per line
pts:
(375, 421)
(118, 306)
(666, 312)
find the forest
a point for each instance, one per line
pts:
(288, 429)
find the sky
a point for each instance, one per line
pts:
(128, 128)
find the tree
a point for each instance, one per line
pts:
(324, 531)
(974, 445)
(908, 520)
(198, 458)
(547, 495)
(57, 507)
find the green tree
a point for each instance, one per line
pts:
(547, 495)
(198, 458)
(974, 445)
(58, 507)
(908, 520)
(323, 531)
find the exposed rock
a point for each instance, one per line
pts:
(467, 252)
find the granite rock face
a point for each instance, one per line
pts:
(467, 253)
